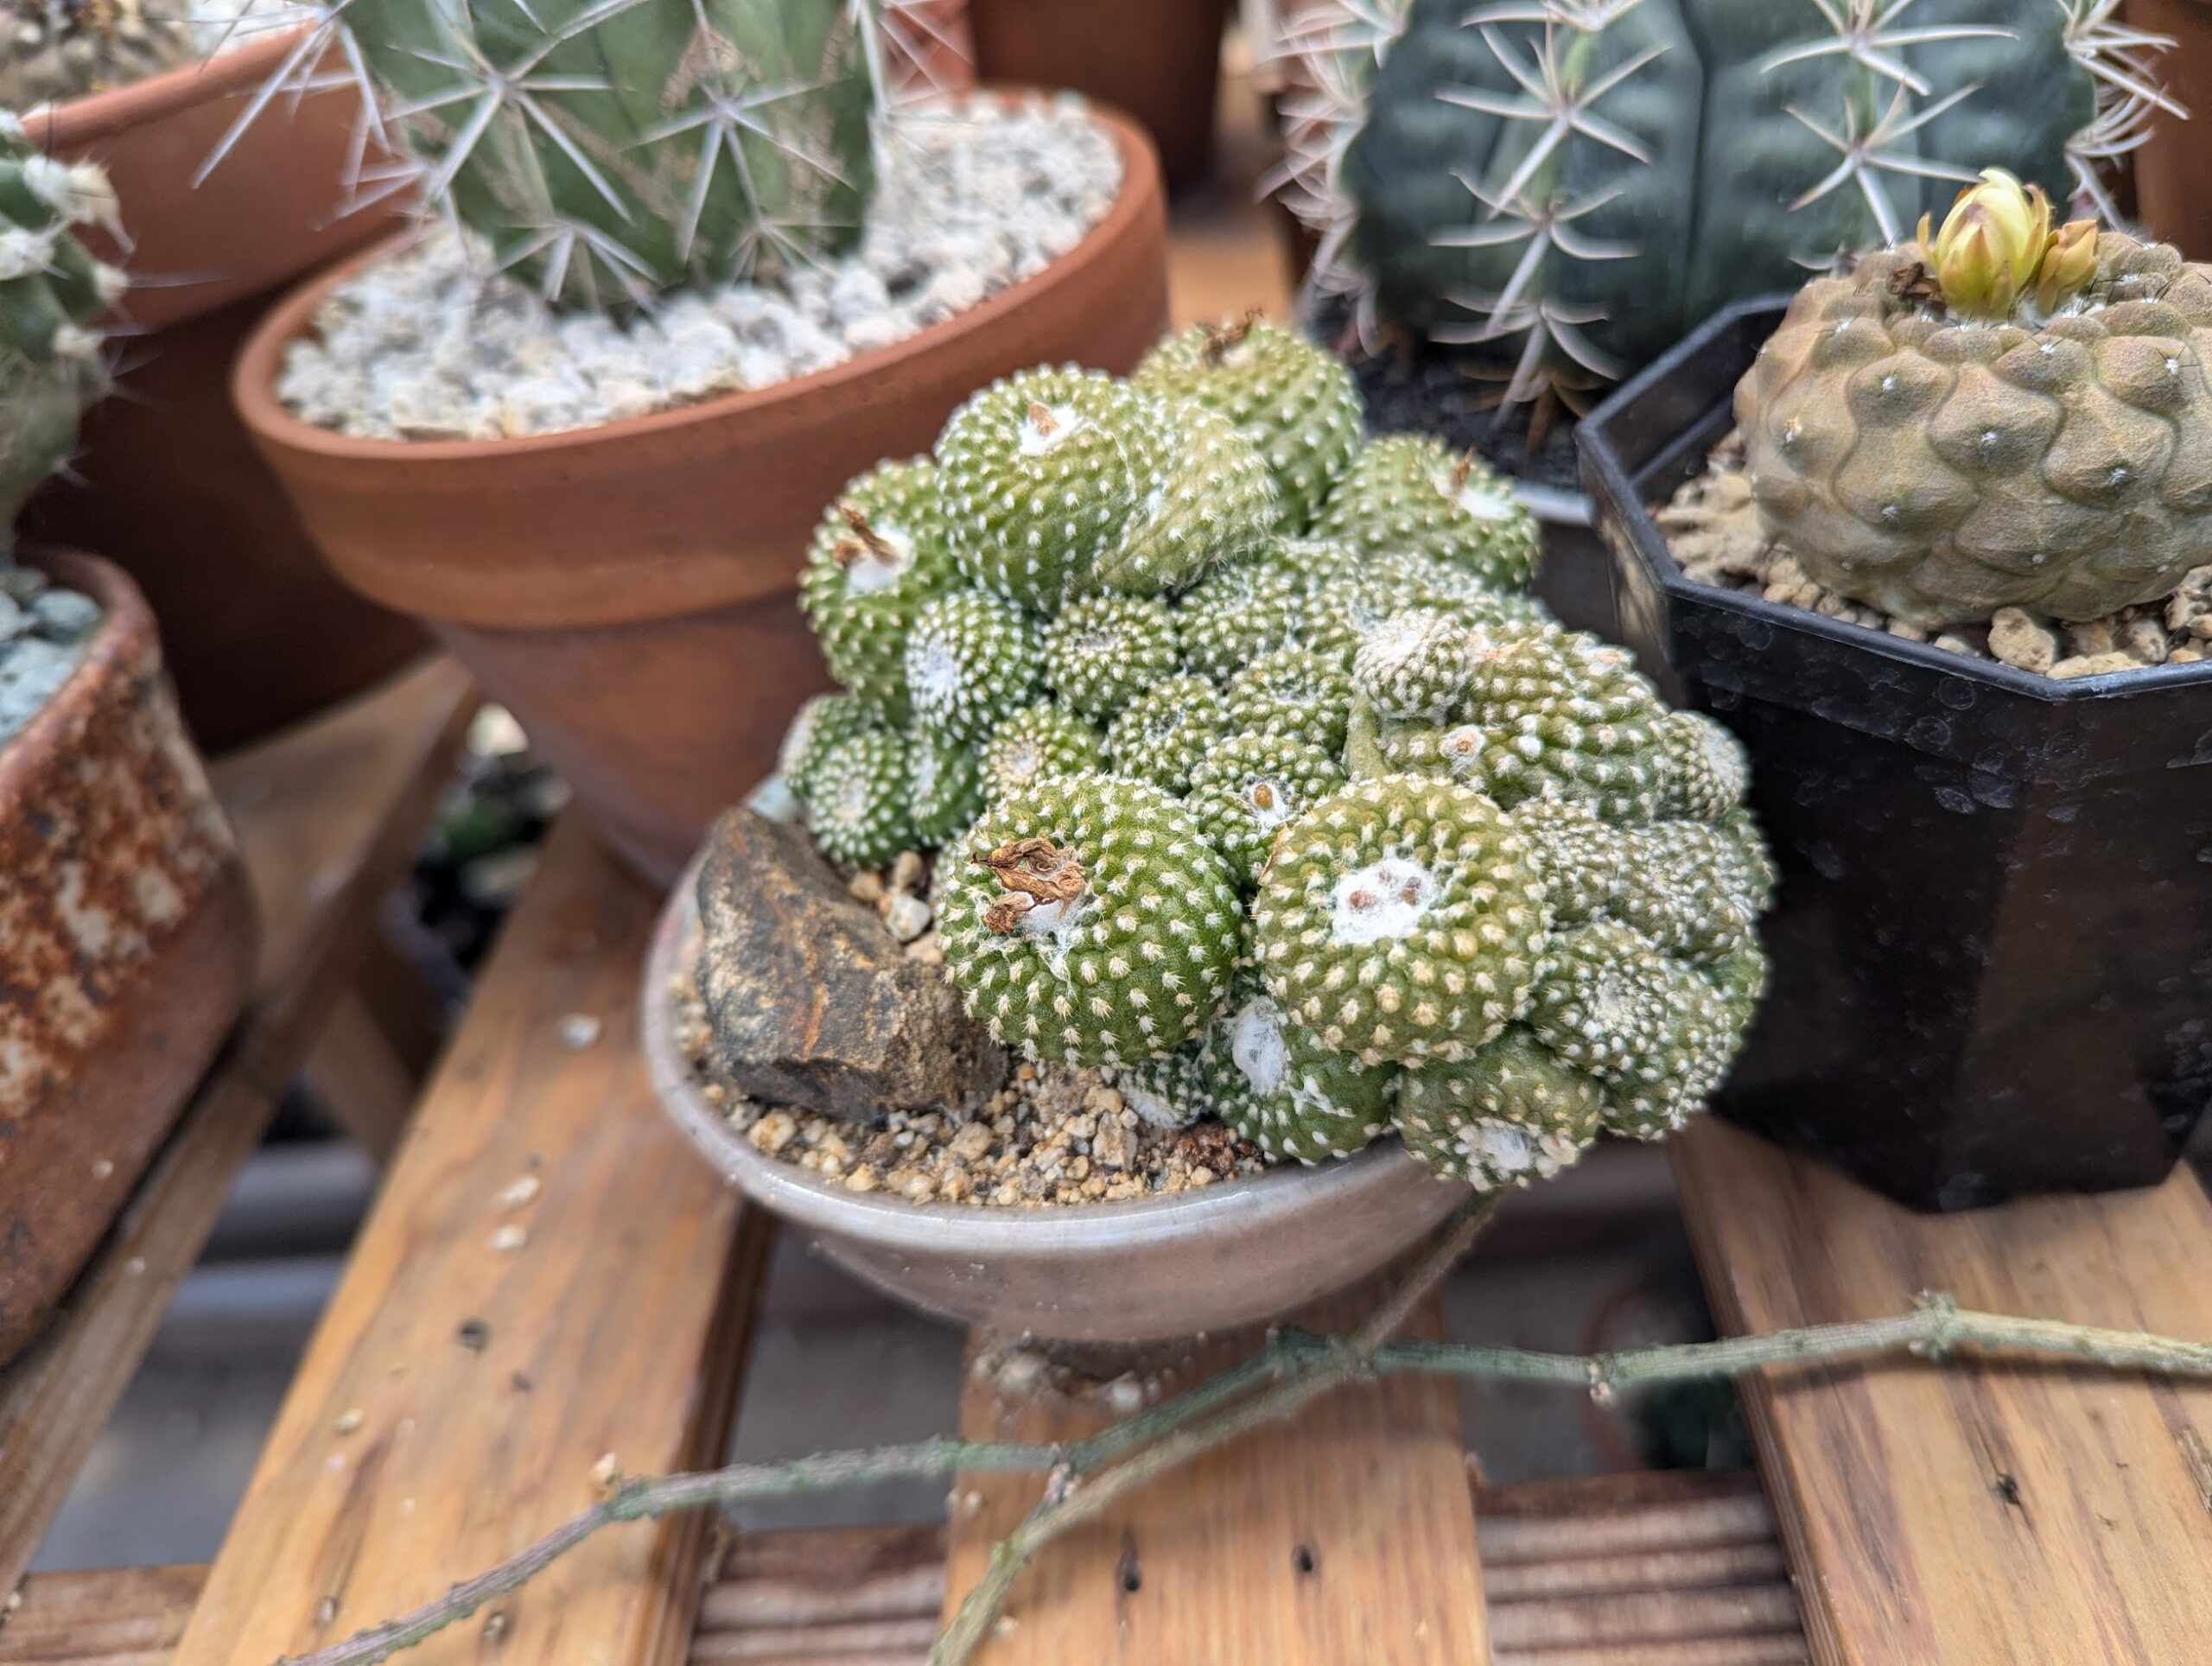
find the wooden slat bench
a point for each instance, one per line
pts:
(1658, 1570)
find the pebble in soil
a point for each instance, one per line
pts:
(975, 195)
(1713, 527)
(44, 633)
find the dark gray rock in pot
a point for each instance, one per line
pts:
(811, 999)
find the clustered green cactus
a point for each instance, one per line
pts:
(1321, 834)
(1562, 187)
(51, 294)
(54, 50)
(608, 153)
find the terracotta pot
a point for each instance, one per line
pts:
(627, 590)
(127, 937)
(167, 484)
(2174, 165)
(1158, 60)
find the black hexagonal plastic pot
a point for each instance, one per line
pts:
(1992, 947)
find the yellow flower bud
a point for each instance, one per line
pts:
(1992, 243)
(2069, 264)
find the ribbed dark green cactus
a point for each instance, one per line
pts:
(1567, 185)
(611, 150)
(52, 292)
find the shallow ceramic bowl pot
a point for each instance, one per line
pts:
(628, 590)
(1993, 945)
(1236, 1253)
(126, 946)
(165, 482)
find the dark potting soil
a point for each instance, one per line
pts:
(1416, 387)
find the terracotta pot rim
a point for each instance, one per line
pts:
(254, 377)
(125, 617)
(97, 116)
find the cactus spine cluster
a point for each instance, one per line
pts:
(2006, 414)
(1561, 187)
(608, 153)
(54, 50)
(1320, 836)
(51, 294)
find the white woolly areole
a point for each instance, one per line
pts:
(874, 571)
(1385, 899)
(851, 805)
(1504, 1148)
(935, 675)
(1479, 498)
(24, 253)
(1061, 423)
(1024, 761)
(1257, 1047)
(1391, 647)
(1270, 804)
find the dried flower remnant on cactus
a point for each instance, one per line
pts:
(879, 555)
(1087, 921)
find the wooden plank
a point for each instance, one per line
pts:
(327, 815)
(870, 1596)
(462, 1386)
(1345, 1534)
(1971, 1514)
(111, 1616)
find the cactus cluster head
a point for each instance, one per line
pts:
(51, 294)
(1999, 415)
(1093, 924)
(1560, 188)
(1299, 408)
(1322, 837)
(54, 50)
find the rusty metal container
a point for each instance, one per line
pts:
(127, 940)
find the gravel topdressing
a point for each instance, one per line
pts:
(1714, 529)
(974, 196)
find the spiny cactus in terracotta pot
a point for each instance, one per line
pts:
(1560, 189)
(2002, 414)
(1317, 836)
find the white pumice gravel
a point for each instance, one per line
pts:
(975, 195)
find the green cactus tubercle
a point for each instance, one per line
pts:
(51, 294)
(1087, 920)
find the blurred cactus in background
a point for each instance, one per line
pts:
(610, 150)
(54, 50)
(51, 294)
(1563, 187)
